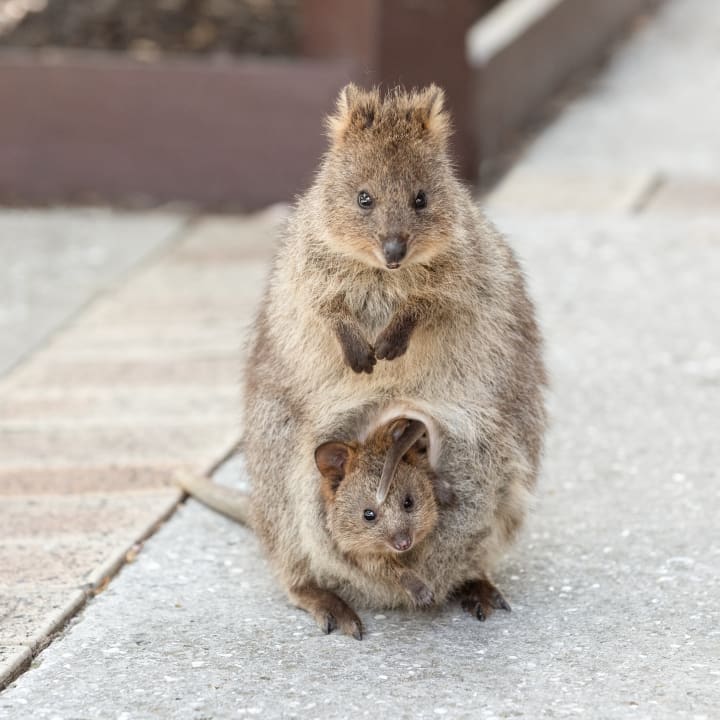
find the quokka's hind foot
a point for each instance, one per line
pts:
(480, 598)
(330, 611)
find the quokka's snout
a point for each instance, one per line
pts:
(394, 249)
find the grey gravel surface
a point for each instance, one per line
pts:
(615, 587)
(53, 262)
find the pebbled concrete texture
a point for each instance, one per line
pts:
(615, 586)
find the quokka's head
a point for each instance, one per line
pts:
(386, 180)
(382, 496)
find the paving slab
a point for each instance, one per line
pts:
(94, 423)
(34, 613)
(55, 261)
(204, 370)
(53, 264)
(685, 195)
(25, 481)
(51, 515)
(14, 659)
(85, 405)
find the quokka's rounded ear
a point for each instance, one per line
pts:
(355, 108)
(347, 98)
(434, 99)
(430, 111)
(333, 460)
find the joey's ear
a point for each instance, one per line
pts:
(332, 460)
(355, 108)
(430, 111)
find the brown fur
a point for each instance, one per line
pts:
(455, 317)
(350, 473)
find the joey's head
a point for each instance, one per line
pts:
(367, 516)
(386, 180)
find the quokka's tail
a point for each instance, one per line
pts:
(225, 500)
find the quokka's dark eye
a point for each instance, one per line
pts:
(408, 503)
(420, 200)
(369, 515)
(364, 200)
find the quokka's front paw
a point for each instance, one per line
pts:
(359, 355)
(390, 345)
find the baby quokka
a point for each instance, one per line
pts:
(382, 499)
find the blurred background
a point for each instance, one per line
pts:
(219, 102)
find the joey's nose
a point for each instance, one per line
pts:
(394, 249)
(401, 542)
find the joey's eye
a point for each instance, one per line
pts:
(369, 515)
(408, 503)
(420, 200)
(365, 200)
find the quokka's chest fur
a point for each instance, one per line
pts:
(373, 303)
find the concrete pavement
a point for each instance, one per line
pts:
(142, 382)
(615, 586)
(56, 261)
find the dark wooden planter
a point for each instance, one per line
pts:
(238, 133)
(241, 133)
(107, 128)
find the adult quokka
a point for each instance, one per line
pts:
(390, 286)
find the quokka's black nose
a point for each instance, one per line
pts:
(394, 249)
